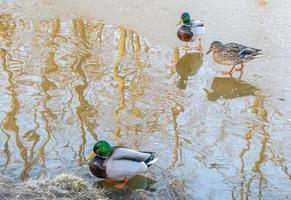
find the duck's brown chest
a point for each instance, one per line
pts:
(185, 34)
(98, 167)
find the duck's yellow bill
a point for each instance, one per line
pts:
(91, 156)
(180, 21)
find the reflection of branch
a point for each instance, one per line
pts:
(79, 32)
(175, 58)
(248, 136)
(99, 33)
(116, 76)
(51, 64)
(156, 116)
(259, 110)
(45, 114)
(6, 150)
(7, 28)
(262, 155)
(9, 122)
(85, 111)
(248, 187)
(261, 114)
(138, 82)
(280, 162)
(28, 165)
(176, 110)
(6, 144)
(46, 85)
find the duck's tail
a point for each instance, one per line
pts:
(250, 53)
(151, 160)
(258, 55)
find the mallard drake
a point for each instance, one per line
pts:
(233, 54)
(116, 164)
(190, 30)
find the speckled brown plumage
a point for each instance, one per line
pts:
(233, 53)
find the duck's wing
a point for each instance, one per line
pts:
(122, 153)
(197, 27)
(118, 169)
(234, 47)
(197, 23)
(232, 50)
(127, 162)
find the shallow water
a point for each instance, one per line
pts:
(73, 72)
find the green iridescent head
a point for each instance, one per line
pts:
(186, 18)
(102, 149)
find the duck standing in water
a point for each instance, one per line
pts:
(233, 54)
(116, 164)
(190, 30)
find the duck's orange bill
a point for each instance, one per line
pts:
(91, 156)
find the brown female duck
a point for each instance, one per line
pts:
(233, 54)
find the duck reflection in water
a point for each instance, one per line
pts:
(188, 65)
(138, 182)
(229, 88)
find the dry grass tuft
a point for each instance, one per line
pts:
(64, 186)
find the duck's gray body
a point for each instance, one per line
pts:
(197, 28)
(122, 163)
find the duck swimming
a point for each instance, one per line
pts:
(116, 164)
(190, 30)
(233, 54)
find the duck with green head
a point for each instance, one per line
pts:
(190, 30)
(233, 54)
(116, 164)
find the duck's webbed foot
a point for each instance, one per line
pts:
(199, 47)
(121, 185)
(229, 72)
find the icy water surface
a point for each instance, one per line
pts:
(73, 72)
